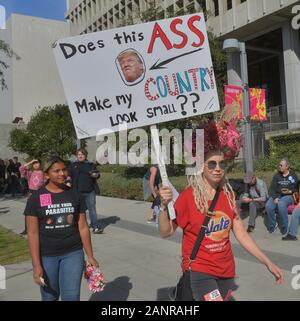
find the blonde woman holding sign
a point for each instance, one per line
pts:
(212, 268)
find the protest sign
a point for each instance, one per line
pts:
(139, 75)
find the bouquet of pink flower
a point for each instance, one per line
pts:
(94, 277)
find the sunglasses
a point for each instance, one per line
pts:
(211, 165)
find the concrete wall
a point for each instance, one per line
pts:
(94, 15)
(6, 110)
(253, 14)
(6, 152)
(33, 80)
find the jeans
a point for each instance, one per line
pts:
(282, 208)
(90, 201)
(62, 275)
(156, 213)
(295, 221)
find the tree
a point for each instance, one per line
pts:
(8, 52)
(49, 131)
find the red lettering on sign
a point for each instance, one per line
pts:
(185, 38)
(196, 31)
(158, 33)
(147, 91)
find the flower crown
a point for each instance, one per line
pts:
(222, 134)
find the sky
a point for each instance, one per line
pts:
(51, 9)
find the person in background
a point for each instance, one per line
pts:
(84, 175)
(17, 167)
(17, 163)
(24, 185)
(6, 188)
(13, 177)
(255, 197)
(294, 224)
(283, 185)
(35, 178)
(2, 176)
(151, 185)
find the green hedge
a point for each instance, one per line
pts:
(127, 182)
(115, 185)
(283, 146)
(118, 186)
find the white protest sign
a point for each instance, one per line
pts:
(142, 74)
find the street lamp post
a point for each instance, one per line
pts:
(230, 46)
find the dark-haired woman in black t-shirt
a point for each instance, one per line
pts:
(57, 233)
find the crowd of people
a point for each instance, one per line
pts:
(59, 196)
(23, 180)
(277, 202)
(280, 201)
(10, 177)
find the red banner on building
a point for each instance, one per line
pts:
(234, 100)
(258, 108)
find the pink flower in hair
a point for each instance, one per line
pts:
(221, 135)
(234, 141)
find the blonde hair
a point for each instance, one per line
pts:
(201, 196)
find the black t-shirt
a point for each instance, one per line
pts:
(58, 215)
(280, 182)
